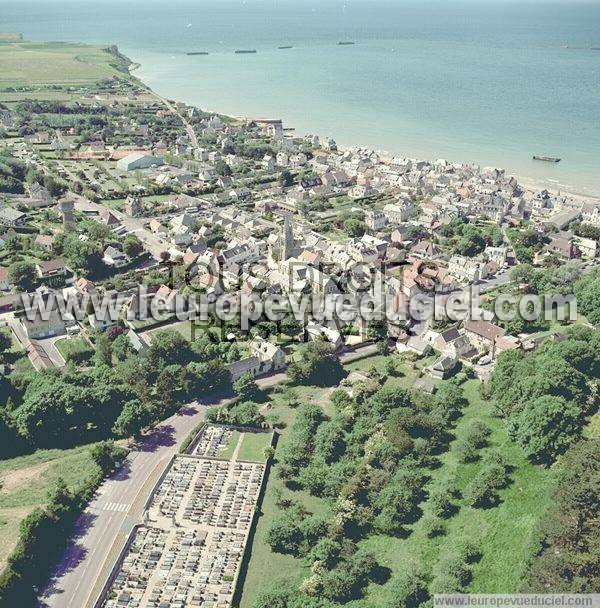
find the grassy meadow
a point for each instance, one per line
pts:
(506, 533)
(50, 64)
(25, 481)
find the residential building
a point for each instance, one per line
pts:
(483, 334)
(38, 328)
(51, 268)
(113, 257)
(466, 270)
(399, 212)
(11, 217)
(375, 220)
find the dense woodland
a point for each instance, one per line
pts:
(118, 395)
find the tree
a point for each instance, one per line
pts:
(477, 433)
(452, 573)
(330, 441)
(134, 417)
(569, 532)
(315, 363)
(60, 499)
(11, 185)
(55, 188)
(82, 255)
(546, 427)
(168, 346)
(246, 389)
(390, 366)
(409, 590)
(241, 414)
(449, 401)
(132, 246)
(388, 398)
(433, 526)
(106, 455)
(10, 441)
(122, 348)
(285, 535)
(523, 273)
(466, 452)
(440, 502)
(53, 411)
(172, 384)
(222, 168)
(275, 597)
(22, 275)
(290, 397)
(587, 291)
(103, 355)
(354, 227)
(207, 378)
(5, 344)
(471, 243)
(286, 179)
(483, 490)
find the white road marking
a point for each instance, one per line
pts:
(115, 506)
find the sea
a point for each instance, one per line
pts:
(487, 81)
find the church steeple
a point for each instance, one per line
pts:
(287, 238)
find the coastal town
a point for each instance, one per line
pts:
(244, 205)
(109, 188)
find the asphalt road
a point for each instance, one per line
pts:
(103, 527)
(118, 505)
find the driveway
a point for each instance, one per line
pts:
(49, 346)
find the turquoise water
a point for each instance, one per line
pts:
(483, 81)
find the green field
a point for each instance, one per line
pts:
(27, 64)
(265, 567)
(506, 534)
(253, 446)
(25, 481)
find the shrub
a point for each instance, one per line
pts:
(440, 502)
(432, 526)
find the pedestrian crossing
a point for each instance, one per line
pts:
(115, 506)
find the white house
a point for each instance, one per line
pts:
(113, 257)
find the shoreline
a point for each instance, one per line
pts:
(529, 183)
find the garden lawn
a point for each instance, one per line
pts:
(68, 346)
(227, 453)
(253, 446)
